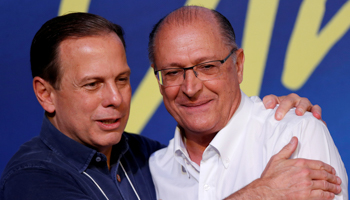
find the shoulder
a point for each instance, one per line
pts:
(33, 157)
(139, 143)
(26, 178)
(314, 138)
(275, 134)
(300, 124)
(266, 118)
(39, 180)
(163, 157)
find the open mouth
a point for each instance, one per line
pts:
(110, 121)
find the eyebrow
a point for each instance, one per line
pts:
(97, 77)
(197, 61)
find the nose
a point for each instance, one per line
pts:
(111, 96)
(191, 84)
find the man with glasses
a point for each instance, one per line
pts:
(81, 79)
(203, 71)
(226, 142)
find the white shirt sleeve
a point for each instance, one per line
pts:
(316, 143)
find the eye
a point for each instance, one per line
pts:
(172, 72)
(92, 85)
(122, 80)
(207, 66)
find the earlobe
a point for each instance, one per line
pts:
(44, 93)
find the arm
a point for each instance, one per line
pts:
(287, 102)
(285, 178)
(316, 143)
(40, 184)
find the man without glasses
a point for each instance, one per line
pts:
(81, 79)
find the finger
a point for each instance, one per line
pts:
(326, 186)
(323, 175)
(315, 165)
(286, 104)
(316, 111)
(270, 101)
(320, 194)
(287, 151)
(302, 106)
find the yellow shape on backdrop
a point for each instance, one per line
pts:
(68, 6)
(147, 97)
(144, 103)
(211, 4)
(309, 45)
(257, 34)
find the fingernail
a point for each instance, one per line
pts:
(338, 180)
(292, 141)
(269, 104)
(339, 188)
(318, 114)
(300, 110)
(278, 116)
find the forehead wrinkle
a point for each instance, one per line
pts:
(194, 54)
(188, 15)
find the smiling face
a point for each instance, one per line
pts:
(199, 107)
(93, 101)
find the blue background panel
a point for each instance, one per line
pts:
(21, 114)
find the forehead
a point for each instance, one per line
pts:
(92, 54)
(198, 38)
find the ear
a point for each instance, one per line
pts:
(44, 92)
(239, 64)
(160, 87)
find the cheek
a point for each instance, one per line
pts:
(126, 95)
(87, 103)
(170, 93)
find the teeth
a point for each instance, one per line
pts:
(108, 121)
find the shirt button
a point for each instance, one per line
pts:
(183, 169)
(118, 178)
(206, 187)
(98, 159)
(227, 160)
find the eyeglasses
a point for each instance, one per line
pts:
(203, 71)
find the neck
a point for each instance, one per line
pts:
(107, 152)
(196, 144)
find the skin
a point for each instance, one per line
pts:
(201, 108)
(280, 181)
(92, 103)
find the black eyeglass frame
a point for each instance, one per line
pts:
(195, 73)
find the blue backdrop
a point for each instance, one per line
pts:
(324, 56)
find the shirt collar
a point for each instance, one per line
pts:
(179, 146)
(226, 139)
(182, 157)
(79, 155)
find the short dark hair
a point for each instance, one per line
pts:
(188, 13)
(44, 49)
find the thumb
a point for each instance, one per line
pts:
(288, 150)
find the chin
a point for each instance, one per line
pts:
(200, 129)
(111, 139)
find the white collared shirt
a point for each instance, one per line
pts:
(239, 153)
